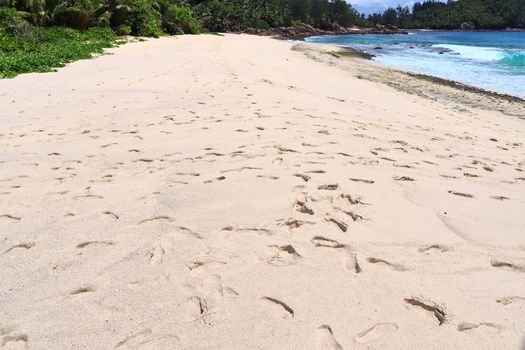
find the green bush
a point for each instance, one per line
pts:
(122, 29)
(143, 19)
(74, 17)
(235, 15)
(56, 47)
(262, 24)
(178, 19)
(218, 16)
(9, 16)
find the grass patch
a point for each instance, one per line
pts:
(25, 48)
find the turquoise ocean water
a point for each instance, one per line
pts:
(491, 60)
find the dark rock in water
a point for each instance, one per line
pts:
(439, 50)
(349, 52)
(378, 48)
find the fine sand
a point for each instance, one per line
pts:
(230, 192)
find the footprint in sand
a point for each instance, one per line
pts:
(156, 218)
(339, 223)
(430, 308)
(259, 230)
(220, 178)
(284, 310)
(350, 262)
(305, 178)
(146, 338)
(393, 266)
(211, 286)
(328, 187)
(83, 290)
(157, 253)
(284, 255)
(293, 223)
(24, 246)
(352, 199)
(270, 177)
(403, 178)
(461, 194)
(355, 217)
(203, 265)
(507, 265)
(320, 241)
(510, 300)
(434, 248)
(94, 243)
(302, 207)
(326, 340)
(14, 340)
(366, 181)
(376, 332)
(198, 309)
(111, 214)
(477, 329)
(10, 217)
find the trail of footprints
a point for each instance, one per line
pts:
(206, 291)
(307, 206)
(376, 332)
(327, 208)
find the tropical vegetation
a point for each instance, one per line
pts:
(28, 48)
(469, 14)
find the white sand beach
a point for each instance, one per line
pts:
(230, 192)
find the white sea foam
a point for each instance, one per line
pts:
(482, 53)
(492, 60)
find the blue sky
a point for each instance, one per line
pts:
(369, 6)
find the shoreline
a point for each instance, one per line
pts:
(465, 87)
(285, 34)
(352, 52)
(468, 94)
